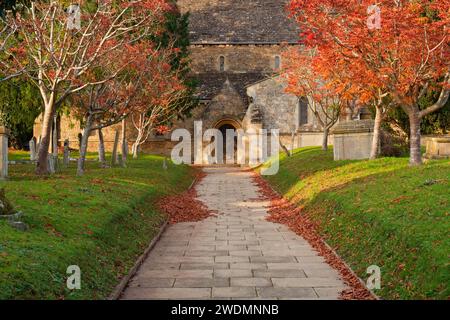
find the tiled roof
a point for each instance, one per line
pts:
(209, 84)
(239, 21)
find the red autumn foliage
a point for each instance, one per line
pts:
(401, 56)
(283, 212)
(185, 207)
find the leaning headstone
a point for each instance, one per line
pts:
(4, 133)
(120, 161)
(55, 141)
(80, 136)
(52, 163)
(33, 149)
(66, 153)
(125, 150)
(114, 153)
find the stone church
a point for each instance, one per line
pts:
(236, 52)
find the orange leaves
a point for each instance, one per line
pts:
(283, 212)
(185, 207)
(408, 50)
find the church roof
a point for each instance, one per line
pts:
(210, 84)
(239, 21)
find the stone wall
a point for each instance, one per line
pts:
(239, 21)
(353, 140)
(279, 110)
(238, 59)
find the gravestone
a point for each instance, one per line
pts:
(125, 150)
(66, 153)
(55, 141)
(114, 152)
(52, 163)
(438, 148)
(120, 161)
(33, 149)
(353, 139)
(4, 134)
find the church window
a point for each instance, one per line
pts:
(302, 111)
(222, 63)
(277, 62)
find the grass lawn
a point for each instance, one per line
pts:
(101, 222)
(380, 212)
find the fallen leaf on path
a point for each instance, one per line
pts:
(284, 212)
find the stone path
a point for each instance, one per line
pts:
(237, 255)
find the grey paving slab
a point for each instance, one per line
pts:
(237, 254)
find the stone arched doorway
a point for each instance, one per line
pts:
(226, 127)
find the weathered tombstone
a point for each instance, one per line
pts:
(114, 153)
(125, 150)
(52, 163)
(4, 133)
(66, 153)
(120, 161)
(124, 141)
(353, 139)
(33, 149)
(55, 141)
(438, 148)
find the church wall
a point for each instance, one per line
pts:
(279, 109)
(251, 58)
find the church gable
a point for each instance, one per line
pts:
(227, 103)
(276, 108)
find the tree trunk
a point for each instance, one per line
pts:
(325, 139)
(376, 134)
(47, 122)
(124, 141)
(101, 149)
(135, 149)
(415, 157)
(136, 144)
(83, 146)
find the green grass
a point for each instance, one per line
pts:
(380, 212)
(101, 222)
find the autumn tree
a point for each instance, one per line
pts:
(306, 79)
(56, 47)
(163, 95)
(400, 47)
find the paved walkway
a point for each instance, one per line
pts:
(237, 255)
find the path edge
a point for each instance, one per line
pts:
(118, 290)
(331, 249)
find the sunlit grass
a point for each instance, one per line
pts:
(380, 212)
(101, 222)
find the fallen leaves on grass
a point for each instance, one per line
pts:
(185, 207)
(284, 212)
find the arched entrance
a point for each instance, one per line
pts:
(227, 127)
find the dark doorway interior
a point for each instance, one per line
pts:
(223, 129)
